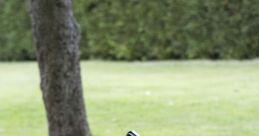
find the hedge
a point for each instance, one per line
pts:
(145, 29)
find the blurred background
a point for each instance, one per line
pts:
(145, 29)
(130, 74)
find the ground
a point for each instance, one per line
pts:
(189, 98)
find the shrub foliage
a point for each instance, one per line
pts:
(145, 29)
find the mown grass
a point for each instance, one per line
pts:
(189, 98)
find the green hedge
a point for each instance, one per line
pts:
(15, 28)
(145, 29)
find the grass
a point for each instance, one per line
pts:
(189, 98)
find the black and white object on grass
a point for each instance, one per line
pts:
(132, 133)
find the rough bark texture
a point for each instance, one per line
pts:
(57, 36)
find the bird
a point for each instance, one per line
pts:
(132, 133)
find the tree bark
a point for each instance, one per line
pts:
(57, 37)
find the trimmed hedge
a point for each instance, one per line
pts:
(15, 28)
(145, 29)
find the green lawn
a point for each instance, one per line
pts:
(190, 98)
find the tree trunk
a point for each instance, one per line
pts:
(57, 36)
